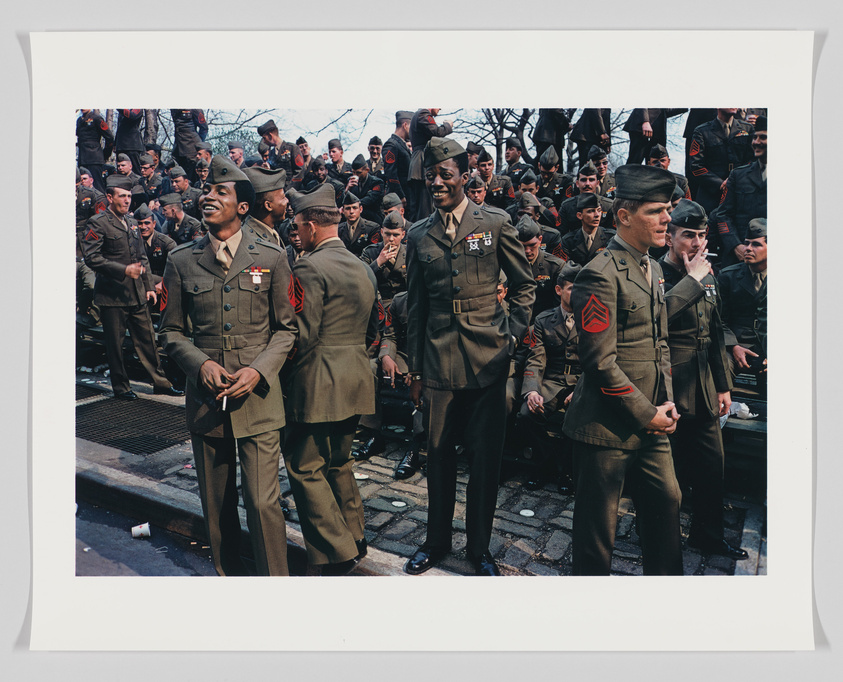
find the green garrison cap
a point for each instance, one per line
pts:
(236, 144)
(146, 160)
(171, 199)
(588, 169)
(334, 144)
(527, 229)
(142, 212)
(321, 196)
(204, 146)
(224, 170)
(119, 181)
(78, 175)
(549, 158)
(528, 177)
(267, 127)
(658, 151)
(301, 140)
(393, 221)
(689, 215)
(177, 172)
(350, 198)
(403, 116)
(476, 182)
(439, 149)
(757, 228)
(483, 156)
(514, 142)
(588, 200)
(266, 180)
(568, 273)
(391, 200)
(263, 147)
(596, 153)
(123, 157)
(376, 140)
(644, 183)
(153, 147)
(473, 148)
(358, 162)
(678, 193)
(528, 200)
(202, 164)
(761, 123)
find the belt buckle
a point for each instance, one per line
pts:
(226, 343)
(457, 305)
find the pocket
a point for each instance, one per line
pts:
(200, 300)
(481, 265)
(253, 298)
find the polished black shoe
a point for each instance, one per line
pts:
(423, 559)
(534, 482)
(170, 391)
(722, 548)
(371, 446)
(485, 565)
(362, 548)
(565, 485)
(342, 568)
(408, 465)
(126, 395)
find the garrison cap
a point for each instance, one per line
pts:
(588, 200)
(171, 199)
(123, 157)
(514, 142)
(236, 144)
(146, 159)
(644, 183)
(587, 169)
(376, 140)
(318, 162)
(119, 182)
(263, 147)
(78, 175)
(350, 198)
(334, 144)
(658, 151)
(202, 164)
(84, 171)
(483, 156)
(391, 200)
(568, 273)
(224, 170)
(393, 221)
(252, 160)
(177, 172)
(528, 177)
(153, 147)
(142, 212)
(439, 149)
(358, 162)
(757, 228)
(528, 200)
(527, 229)
(596, 153)
(108, 169)
(549, 158)
(301, 140)
(266, 180)
(403, 116)
(761, 123)
(689, 215)
(476, 182)
(204, 146)
(319, 197)
(473, 148)
(678, 193)
(267, 127)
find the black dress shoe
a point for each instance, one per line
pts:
(372, 446)
(423, 559)
(126, 395)
(534, 482)
(408, 465)
(485, 565)
(342, 568)
(171, 391)
(565, 485)
(362, 548)
(722, 548)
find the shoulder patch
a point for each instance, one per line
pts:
(595, 316)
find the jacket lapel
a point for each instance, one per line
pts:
(243, 258)
(207, 257)
(624, 260)
(436, 229)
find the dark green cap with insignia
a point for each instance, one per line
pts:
(476, 182)
(393, 221)
(473, 148)
(401, 116)
(263, 147)
(204, 146)
(678, 193)
(142, 212)
(146, 160)
(528, 200)
(265, 179)
(527, 228)
(483, 156)
(549, 158)
(358, 162)
(177, 172)
(202, 164)
(224, 170)
(391, 200)
(350, 198)
(267, 127)
(588, 169)
(658, 151)
(514, 142)
(301, 140)
(334, 144)
(171, 199)
(123, 157)
(596, 153)
(588, 200)
(568, 273)
(119, 182)
(376, 140)
(153, 147)
(319, 197)
(236, 144)
(757, 228)
(644, 183)
(440, 149)
(528, 177)
(689, 215)
(761, 123)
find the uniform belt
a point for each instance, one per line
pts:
(463, 305)
(700, 344)
(232, 341)
(572, 369)
(341, 340)
(641, 354)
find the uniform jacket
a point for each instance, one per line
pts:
(657, 118)
(740, 305)
(190, 127)
(591, 124)
(128, 137)
(545, 269)
(573, 244)
(391, 278)
(568, 221)
(330, 378)
(91, 132)
(156, 253)
(622, 326)
(713, 156)
(376, 168)
(341, 174)
(695, 336)
(553, 365)
(89, 201)
(396, 165)
(499, 192)
(364, 234)
(289, 158)
(606, 186)
(189, 229)
(370, 194)
(459, 336)
(551, 126)
(556, 189)
(515, 171)
(744, 198)
(190, 201)
(237, 319)
(422, 128)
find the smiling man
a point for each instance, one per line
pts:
(460, 342)
(622, 409)
(229, 325)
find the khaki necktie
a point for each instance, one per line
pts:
(645, 266)
(450, 226)
(589, 240)
(728, 128)
(569, 322)
(759, 280)
(224, 256)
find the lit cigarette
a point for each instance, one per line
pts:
(707, 254)
(224, 402)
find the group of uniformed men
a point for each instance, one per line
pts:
(501, 302)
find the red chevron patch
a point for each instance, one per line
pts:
(162, 299)
(615, 392)
(723, 194)
(700, 171)
(295, 292)
(723, 228)
(389, 157)
(695, 148)
(595, 316)
(90, 234)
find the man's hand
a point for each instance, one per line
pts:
(150, 296)
(159, 287)
(740, 354)
(647, 129)
(567, 400)
(698, 266)
(243, 382)
(665, 420)
(389, 368)
(352, 182)
(134, 270)
(416, 391)
(740, 249)
(535, 403)
(388, 253)
(214, 377)
(725, 402)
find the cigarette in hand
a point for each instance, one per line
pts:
(224, 402)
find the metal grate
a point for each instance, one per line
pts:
(83, 392)
(140, 426)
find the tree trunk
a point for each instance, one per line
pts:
(150, 128)
(109, 119)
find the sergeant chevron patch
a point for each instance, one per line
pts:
(595, 316)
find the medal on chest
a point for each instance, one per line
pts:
(710, 290)
(256, 273)
(661, 285)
